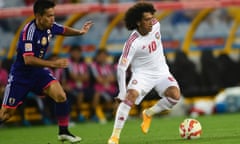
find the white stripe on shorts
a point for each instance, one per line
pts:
(7, 89)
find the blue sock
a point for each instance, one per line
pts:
(62, 109)
(62, 114)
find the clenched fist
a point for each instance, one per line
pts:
(61, 63)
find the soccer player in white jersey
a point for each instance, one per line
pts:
(28, 73)
(144, 51)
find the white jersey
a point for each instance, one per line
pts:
(144, 54)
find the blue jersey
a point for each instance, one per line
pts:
(24, 78)
(33, 41)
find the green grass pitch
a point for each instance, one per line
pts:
(217, 129)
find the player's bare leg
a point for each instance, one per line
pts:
(56, 91)
(122, 115)
(171, 98)
(5, 114)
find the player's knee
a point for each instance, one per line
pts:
(61, 97)
(173, 92)
(132, 96)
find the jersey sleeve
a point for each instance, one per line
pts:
(124, 62)
(126, 58)
(57, 29)
(27, 40)
(128, 52)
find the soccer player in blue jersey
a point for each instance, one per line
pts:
(28, 73)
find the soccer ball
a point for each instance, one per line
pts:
(190, 129)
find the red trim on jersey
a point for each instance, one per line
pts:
(53, 81)
(64, 30)
(129, 43)
(25, 30)
(28, 54)
(12, 107)
(154, 21)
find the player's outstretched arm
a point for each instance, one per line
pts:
(34, 61)
(69, 31)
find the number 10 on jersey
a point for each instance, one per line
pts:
(152, 46)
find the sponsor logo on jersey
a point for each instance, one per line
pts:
(41, 53)
(44, 41)
(123, 61)
(48, 31)
(49, 34)
(49, 37)
(28, 47)
(134, 82)
(157, 35)
(11, 101)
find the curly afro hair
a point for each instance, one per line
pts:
(135, 13)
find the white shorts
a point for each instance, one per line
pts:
(144, 84)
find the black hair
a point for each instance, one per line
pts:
(75, 48)
(135, 13)
(101, 50)
(40, 6)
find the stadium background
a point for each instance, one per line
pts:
(192, 27)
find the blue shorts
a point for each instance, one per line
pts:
(20, 84)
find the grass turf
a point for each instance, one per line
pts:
(217, 129)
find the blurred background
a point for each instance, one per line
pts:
(201, 40)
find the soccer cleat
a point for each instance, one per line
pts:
(113, 140)
(69, 137)
(146, 122)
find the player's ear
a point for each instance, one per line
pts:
(138, 24)
(37, 15)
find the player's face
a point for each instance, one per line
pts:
(75, 55)
(102, 58)
(146, 23)
(47, 19)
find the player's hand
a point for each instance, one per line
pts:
(87, 25)
(61, 63)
